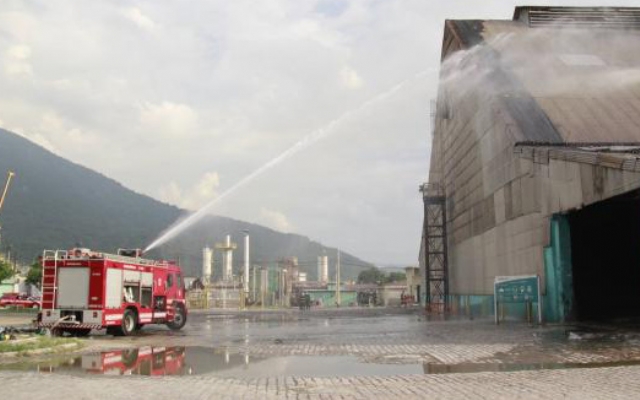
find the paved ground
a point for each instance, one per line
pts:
(349, 354)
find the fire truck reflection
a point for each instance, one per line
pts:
(150, 361)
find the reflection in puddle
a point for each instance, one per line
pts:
(160, 361)
(149, 361)
(223, 362)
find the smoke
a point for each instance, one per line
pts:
(556, 84)
(548, 62)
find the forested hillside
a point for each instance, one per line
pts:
(54, 203)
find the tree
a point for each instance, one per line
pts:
(371, 275)
(396, 277)
(5, 270)
(34, 276)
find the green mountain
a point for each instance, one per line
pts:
(56, 204)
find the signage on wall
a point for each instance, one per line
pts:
(518, 289)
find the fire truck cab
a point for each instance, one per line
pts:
(84, 290)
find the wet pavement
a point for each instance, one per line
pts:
(382, 347)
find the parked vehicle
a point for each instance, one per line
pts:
(19, 300)
(84, 290)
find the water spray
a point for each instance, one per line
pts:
(305, 142)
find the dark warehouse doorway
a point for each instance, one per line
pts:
(605, 256)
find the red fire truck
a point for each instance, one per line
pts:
(84, 290)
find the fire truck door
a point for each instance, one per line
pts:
(159, 294)
(171, 286)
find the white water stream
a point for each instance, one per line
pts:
(305, 142)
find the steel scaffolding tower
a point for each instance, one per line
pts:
(435, 248)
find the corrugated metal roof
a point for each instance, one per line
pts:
(579, 17)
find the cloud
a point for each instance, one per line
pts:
(19, 52)
(43, 141)
(16, 61)
(171, 194)
(205, 190)
(275, 219)
(136, 16)
(53, 125)
(168, 119)
(350, 78)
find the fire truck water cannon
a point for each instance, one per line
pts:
(84, 290)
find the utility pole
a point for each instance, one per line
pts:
(284, 287)
(255, 285)
(264, 284)
(246, 266)
(338, 294)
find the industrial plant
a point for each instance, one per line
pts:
(286, 284)
(534, 169)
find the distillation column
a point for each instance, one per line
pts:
(227, 258)
(207, 265)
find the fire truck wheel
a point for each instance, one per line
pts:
(179, 319)
(129, 321)
(129, 357)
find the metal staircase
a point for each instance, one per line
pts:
(435, 248)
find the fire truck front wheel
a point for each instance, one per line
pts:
(179, 319)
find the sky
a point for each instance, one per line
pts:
(180, 100)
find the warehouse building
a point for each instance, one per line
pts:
(535, 162)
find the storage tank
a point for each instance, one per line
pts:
(207, 264)
(323, 269)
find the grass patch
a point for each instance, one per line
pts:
(19, 310)
(41, 342)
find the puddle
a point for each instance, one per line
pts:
(228, 362)
(160, 361)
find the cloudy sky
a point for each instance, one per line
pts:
(180, 100)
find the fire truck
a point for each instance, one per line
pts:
(84, 290)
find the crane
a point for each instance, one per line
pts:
(10, 175)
